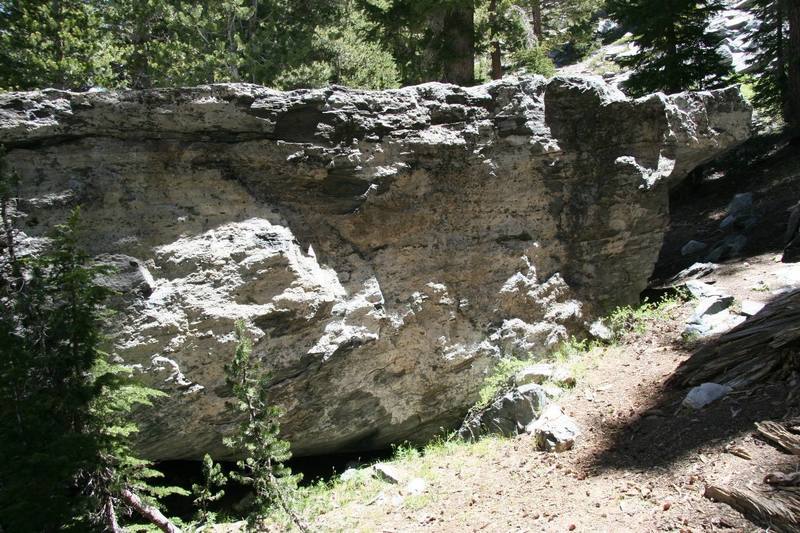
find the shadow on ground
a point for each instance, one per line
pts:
(665, 431)
(766, 166)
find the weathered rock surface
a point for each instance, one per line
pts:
(382, 247)
(553, 431)
(508, 415)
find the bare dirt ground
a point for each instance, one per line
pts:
(643, 461)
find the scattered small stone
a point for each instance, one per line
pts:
(705, 394)
(666, 506)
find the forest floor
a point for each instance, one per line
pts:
(643, 461)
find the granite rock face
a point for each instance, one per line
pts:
(384, 248)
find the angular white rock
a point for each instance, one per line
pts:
(554, 431)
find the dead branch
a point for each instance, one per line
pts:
(778, 434)
(151, 514)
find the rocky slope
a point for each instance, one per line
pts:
(384, 248)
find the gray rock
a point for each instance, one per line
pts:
(383, 248)
(553, 431)
(700, 289)
(128, 278)
(508, 415)
(704, 394)
(731, 246)
(415, 487)
(538, 374)
(693, 247)
(350, 474)
(711, 305)
(713, 324)
(600, 331)
(741, 204)
(693, 272)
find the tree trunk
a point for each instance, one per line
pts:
(497, 55)
(536, 17)
(459, 44)
(792, 109)
(58, 43)
(151, 514)
(110, 515)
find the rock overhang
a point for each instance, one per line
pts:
(384, 248)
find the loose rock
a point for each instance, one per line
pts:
(389, 473)
(693, 247)
(705, 394)
(554, 431)
(508, 415)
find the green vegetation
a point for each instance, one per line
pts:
(637, 319)
(535, 61)
(772, 90)
(209, 491)
(676, 50)
(257, 441)
(574, 353)
(65, 406)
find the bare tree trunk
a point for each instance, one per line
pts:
(151, 514)
(497, 56)
(793, 56)
(459, 39)
(536, 17)
(110, 516)
(58, 43)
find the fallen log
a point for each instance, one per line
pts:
(766, 346)
(779, 510)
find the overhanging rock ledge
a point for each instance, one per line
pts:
(384, 248)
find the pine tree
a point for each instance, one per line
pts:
(54, 43)
(64, 406)
(792, 105)
(768, 63)
(256, 441)
(676, 51)
(209, 491)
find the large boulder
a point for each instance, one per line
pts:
(383, 248)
